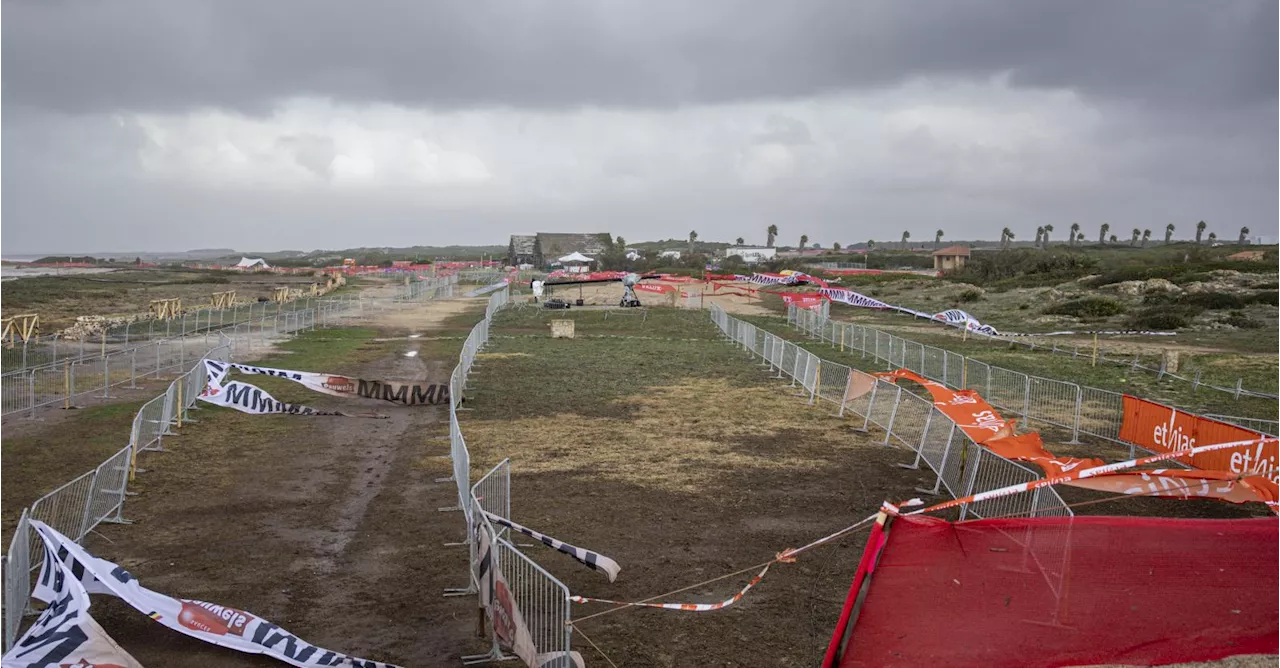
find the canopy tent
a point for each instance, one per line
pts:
(252, 263)
(575, 257)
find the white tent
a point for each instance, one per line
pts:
(252, 263)
(576, 257)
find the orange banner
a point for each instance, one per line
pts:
(1160, 428)
(984, 426)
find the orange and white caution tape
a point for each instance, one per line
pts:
(689, 607)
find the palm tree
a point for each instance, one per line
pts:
(1146, 236)
(1200, 230)
(835, 245)
(1113, 239)
(1080, 238)
(1102, 235)
(1213, 236)
(739, 242)
(905, 235)
(1005, 237)
(693, 240)
(1136, 233)
(1168, 233)
(1075, 232)
(804, 241)
(937, 239)
(1244, 235)
(773, 233)
(1047, 230)
(1039, 235)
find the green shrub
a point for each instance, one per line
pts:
(1162, 317)
(1180, 274)
(1213, 300)
(969, 296)
(1087, 307)
(1271, 297)
(1239, 319)
(1023, 306)
(1023, 267)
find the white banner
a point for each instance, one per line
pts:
(217, 624)
(249, 398)
(65, 634)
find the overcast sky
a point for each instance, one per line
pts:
(177, 124)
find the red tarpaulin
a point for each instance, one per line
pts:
(1054, 591)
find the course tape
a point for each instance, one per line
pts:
(689, 607)
(593, 560)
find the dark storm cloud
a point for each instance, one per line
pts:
(174, 55)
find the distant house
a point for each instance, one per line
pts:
(951, 258)
(634, 255)
(522, 249)
(543, 248)
(669, 255)
(1247, 256)
(751, 254)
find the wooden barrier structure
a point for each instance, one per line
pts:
(280, 295)
(224, 300)
(165, 309)
(20, 328)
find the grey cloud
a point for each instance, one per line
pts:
(246, 54)
(784, 130)
(313, 153)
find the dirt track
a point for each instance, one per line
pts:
(325, 526)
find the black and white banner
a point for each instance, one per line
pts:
(960, 318)
(65, 634)
(69, 570)
(252, 399)
(593, 560)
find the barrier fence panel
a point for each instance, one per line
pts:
(912, 421)
(17, 579)
(97, 496)
(1101, 412)
(1056, 403)
(833, 385)
(111, 480)
(543, 602)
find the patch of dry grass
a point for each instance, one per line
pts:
(684, 437)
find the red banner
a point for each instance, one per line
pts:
(802, 299)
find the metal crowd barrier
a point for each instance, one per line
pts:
(1069, 408)
(98, 496)
(1061, 408)
(98, 370)
(542, 599)
(911, 421)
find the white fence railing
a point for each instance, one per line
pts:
(543, 601)
(1152, 363)
(94, 371)
(1059, 407)
(961, 466)
(98, 496)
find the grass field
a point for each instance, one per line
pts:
(660, 445)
